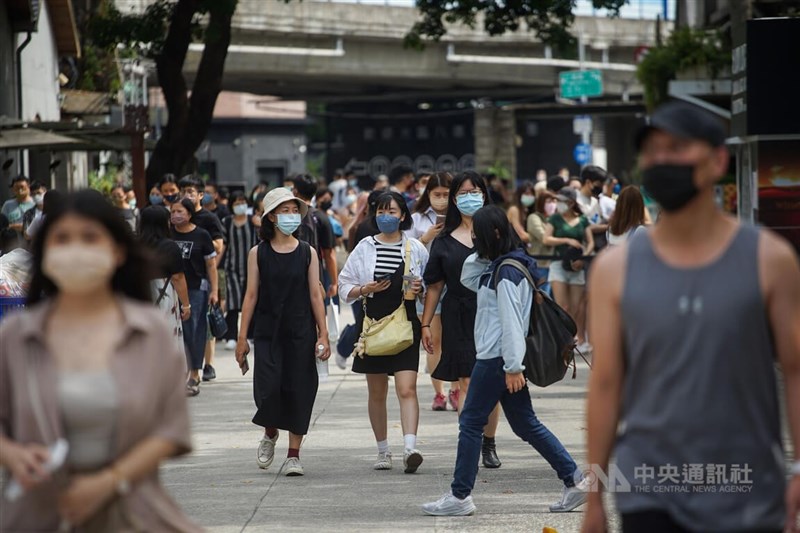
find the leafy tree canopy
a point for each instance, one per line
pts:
(550, 20)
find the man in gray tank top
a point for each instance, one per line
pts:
(688, 321)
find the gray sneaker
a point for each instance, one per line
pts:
(384, 461)
(292, 467)
(266, 451)
(572, 498)
(449, 505)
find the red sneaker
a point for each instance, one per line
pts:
(439, 403)
(454, 394)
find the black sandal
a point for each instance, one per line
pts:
(192, 387)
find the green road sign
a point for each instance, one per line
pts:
(578, 83)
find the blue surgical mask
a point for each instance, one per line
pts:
(207, 199)
(156, 200)
(353, 183)
(132, 203)
(288, 222)
(469, 204)
(387, 224)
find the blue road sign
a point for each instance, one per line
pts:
(582, 153)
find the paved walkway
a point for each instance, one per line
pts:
(221, 487)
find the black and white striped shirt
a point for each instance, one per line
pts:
(389, 257)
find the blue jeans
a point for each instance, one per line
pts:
(487, 386)
(543, 273)
(195, 329)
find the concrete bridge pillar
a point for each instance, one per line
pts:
(495, 139)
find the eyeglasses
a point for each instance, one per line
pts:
(474, 194)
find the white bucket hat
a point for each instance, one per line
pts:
(278, 196)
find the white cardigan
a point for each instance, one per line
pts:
(360, 266)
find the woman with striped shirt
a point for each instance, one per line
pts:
(241, 236)
(374, 272)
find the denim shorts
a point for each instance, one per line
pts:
(559, 273)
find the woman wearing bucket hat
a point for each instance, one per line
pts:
(289, 328)
(569, 231)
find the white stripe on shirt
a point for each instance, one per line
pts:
(389, 257)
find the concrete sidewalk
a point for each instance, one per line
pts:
(221, 487)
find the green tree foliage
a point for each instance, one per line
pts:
(163, 32)
(684, 48)
(550, 20)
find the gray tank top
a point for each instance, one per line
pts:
(700, 435)
(89, 409)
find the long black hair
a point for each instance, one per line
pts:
(154, 225)
(494, 235)
(453, 218)
(132, 279)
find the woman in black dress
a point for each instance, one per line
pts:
(374, 273)
(449, 250)
(285, 303)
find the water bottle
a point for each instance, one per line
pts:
(322, 366)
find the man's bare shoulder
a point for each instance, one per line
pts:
(608, 271)
(775, 253)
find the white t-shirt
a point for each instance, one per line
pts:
(616, 240)
(607, 207)
(591, 207)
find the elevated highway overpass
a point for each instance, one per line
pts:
(345, 52)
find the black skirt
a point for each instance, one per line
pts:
(458, 338)
(383, 304)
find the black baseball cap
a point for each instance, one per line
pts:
(685, 121)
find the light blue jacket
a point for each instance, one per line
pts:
(503, 316)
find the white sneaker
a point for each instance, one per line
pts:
(292, 467)
(341, 362)
(411, 461)
(230, 345)
(266, 451)
(449, 505)
(572, 498)
(384, 461)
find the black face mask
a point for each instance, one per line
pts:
(596, 191)
(672, 186)
(326, 205)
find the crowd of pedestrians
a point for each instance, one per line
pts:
(445, 265)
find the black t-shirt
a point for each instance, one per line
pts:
(206, 220)
(325, 238)
(221, 212)
(196, 247)
(169, 257)
(445, 264)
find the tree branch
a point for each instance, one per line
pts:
(169, 63)
(208, 81)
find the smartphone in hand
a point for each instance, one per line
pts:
(245, 366)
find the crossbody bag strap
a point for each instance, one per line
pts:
(163, 291)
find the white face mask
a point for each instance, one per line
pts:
(39, 199)
(439, 204)
(240, 209)
(562, 207)
(77, 268)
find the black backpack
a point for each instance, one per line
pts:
(308, 229)
(550, 345)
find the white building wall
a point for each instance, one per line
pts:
(40, 71)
